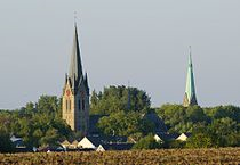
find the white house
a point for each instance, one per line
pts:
(85, 143)
(100, 148)
(182, 137)
(157, 138)
(18, 142)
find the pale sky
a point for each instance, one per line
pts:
(142, 41)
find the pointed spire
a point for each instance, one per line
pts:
(190, 95)
(76, 66)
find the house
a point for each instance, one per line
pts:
(183, 136)
(102, 144)
(66, 144)
(18, 142)
(85, 143)
(166, 136)
(74, 144)
(118, 145)
(100, 148)
(93, 130)
(157, 138)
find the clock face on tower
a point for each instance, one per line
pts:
(82, 93)
(68, 92)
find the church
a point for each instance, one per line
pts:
(75, 98)
(190, 98)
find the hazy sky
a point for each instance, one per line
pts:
(142, 41)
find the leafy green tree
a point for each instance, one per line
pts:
(117, 99)
(225, 132)
(182, 119)
(5, 144)
(37, 124)
(200, 139)
(48, 104)
(124, 124)
(134, 137)
(147, 142)
(51, 138)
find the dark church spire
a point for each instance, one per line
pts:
(76, 66)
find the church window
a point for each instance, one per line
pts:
(66, 104)
(83, 105)
(70, 105)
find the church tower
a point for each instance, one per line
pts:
(75, 102)
(190, 98)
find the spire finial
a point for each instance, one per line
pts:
(190, 55)
(75, 18)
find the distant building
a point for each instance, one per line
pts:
(75, 144)
(85, 143)
(17, 142)
(93, 131)
(100, 148)
(190, 97)
(66, 144)
(157, 138)
(75, 102)
(183, 136)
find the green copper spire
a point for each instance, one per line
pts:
(190, 95)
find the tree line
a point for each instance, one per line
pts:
(41, 124)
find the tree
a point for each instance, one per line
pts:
(147, 142)
(117, 99)
(200, 139)
(5, 144)
(124, 124)
(48, 104)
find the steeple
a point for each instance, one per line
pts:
(75, 98)
(190, 95)
(76, 66)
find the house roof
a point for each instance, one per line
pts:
(168, 136)
(93, 120)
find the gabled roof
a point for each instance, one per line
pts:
(168, 136)
(183, 136)
(93, 120)
(86, 143)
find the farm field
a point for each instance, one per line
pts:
(168, 156)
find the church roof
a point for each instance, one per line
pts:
(76, 66)
(190, 93)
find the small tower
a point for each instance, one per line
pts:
(190, 98)
(75, 103)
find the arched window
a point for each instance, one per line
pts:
(83, 105)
